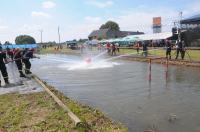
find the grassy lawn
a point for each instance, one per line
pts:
(52, 50)
(38, 112)
(193, 54)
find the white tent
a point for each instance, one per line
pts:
(156, 36)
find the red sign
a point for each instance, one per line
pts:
(157, 21)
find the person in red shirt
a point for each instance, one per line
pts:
(108, 47)
(113, 50)
(138, 47)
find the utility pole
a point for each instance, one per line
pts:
(41, 31)
(59, 34)
(180, 25)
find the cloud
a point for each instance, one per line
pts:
(3, 27)
(102, 4)
(191, 9)
(141, 19)
(29, 28)
(48, 4)
(40, 14)
(92, 19)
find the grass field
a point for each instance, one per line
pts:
(38, 112)
(160, 52)
(190, 54)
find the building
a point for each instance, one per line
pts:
(108, 34)
(191, 28)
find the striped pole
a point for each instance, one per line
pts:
(166, 68)
(150, 69)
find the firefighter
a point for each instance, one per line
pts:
(145, 49)
(18, 60)
(113, 49)
(168, 49)
(3, 69)
(9, 53)
(27, 55)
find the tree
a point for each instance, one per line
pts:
(110, 25)
(25, 39)
(7, 43)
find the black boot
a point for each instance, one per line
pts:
(22, 74)
(28, 71)
(6, 81)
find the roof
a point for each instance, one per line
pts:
(192, 20)
(126, 33)
(100, 32)
(107, 33)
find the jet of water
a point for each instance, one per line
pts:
(112, 58)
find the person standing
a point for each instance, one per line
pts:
(117, 47)
(179, 48)
(138, 47)
(108, 46)
(3, 66)
(18, 60)
(27, 55)
(113, 49)
(168, 49)
(144, 45)
(183, 50)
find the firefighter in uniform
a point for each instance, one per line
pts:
(18, 60)
(27, 55)
(168, 49)
(3, 66)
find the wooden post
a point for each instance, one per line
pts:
(150, 69)
(76, 120)
(166, 68)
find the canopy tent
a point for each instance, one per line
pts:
(103, 41)
(192, 20)
(156, 36)
(132, 38)
(21, 46)
(143, 37)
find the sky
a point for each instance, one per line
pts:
(78, 18)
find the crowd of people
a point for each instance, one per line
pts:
(112, 48)
(20, 57)
(179, 46)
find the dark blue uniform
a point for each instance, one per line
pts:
(3, 67)
(168, 49)
(181, 49)
(18, 60)
(144, 45)
(26, 60)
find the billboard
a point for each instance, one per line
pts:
(157, 26)
(157, 21)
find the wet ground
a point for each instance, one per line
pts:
(17, 84)
(122, 91)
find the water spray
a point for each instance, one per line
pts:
(126, 55)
